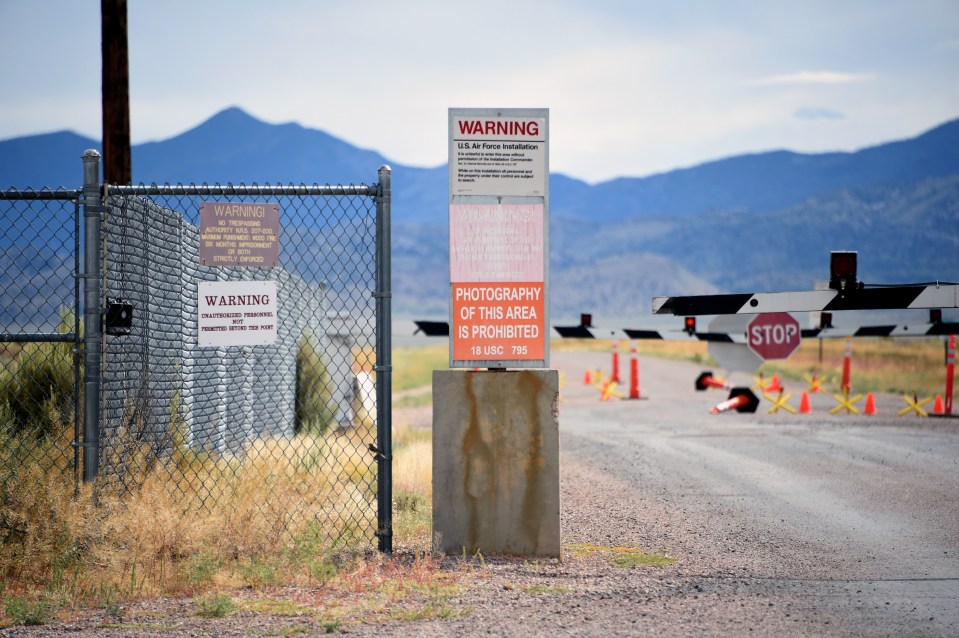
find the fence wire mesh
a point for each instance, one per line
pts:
(271, 437)
(278, 432)
(39, 326)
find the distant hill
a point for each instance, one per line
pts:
(763, 221)
(765, 182)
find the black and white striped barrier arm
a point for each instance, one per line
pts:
(588, 332)
(901, 330)
(433, 328)
(441, 329)
(682, 335)
(883, 298)
(904, 330)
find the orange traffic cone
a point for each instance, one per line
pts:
(804, 404)
(774, 386)
(587, 378)
(937, 406)
(870, 408)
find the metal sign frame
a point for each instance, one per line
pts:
(499, 314)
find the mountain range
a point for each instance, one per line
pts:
(755, 222)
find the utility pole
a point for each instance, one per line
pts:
(116, 92)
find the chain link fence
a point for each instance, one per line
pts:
(39, 331)
(290, 432)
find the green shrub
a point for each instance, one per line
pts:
(214, 605)
(37, 389)
(28, 612)
(315, 409)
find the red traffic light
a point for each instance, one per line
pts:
(842, 270)
(690, 325)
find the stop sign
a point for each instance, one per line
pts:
(773, 335)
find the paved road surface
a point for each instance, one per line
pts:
(853, 517)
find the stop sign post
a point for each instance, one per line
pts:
(773, 335)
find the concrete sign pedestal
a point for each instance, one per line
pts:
(496, 462)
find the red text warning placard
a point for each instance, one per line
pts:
(494, 321)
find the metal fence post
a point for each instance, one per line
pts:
(384, 364)
(92, 209)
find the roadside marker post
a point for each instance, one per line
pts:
(950, 372)
(615, 362)
(950, 378)
(846, 368)
(634, 373)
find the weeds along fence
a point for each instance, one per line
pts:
(121, 365)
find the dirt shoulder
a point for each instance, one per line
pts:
(705, 592)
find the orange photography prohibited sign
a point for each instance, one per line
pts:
(498, 321)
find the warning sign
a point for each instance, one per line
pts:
(498, 155)
(239, 234)
(499, 249)
(498, 321)
(236, 313)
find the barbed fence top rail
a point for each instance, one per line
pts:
(45, 194)
(277, 190)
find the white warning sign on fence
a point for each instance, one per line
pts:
(236, 313)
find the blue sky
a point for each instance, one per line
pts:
(633, 87)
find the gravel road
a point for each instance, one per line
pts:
(780, 524)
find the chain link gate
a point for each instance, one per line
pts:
(291, 435)
(39, 334)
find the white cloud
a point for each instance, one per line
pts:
(819, 113)
(814, 77)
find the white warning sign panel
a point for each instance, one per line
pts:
(236, 313)
(498, 155)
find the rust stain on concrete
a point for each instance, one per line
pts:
(479, 460)
(530, 387)
(504, 497)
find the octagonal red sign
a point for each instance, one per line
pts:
(773, 335)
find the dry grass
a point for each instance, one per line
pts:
(187, 523)
(413, 366)
(412, 487)
(9, 351)
(284, 512)
(900, 366)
